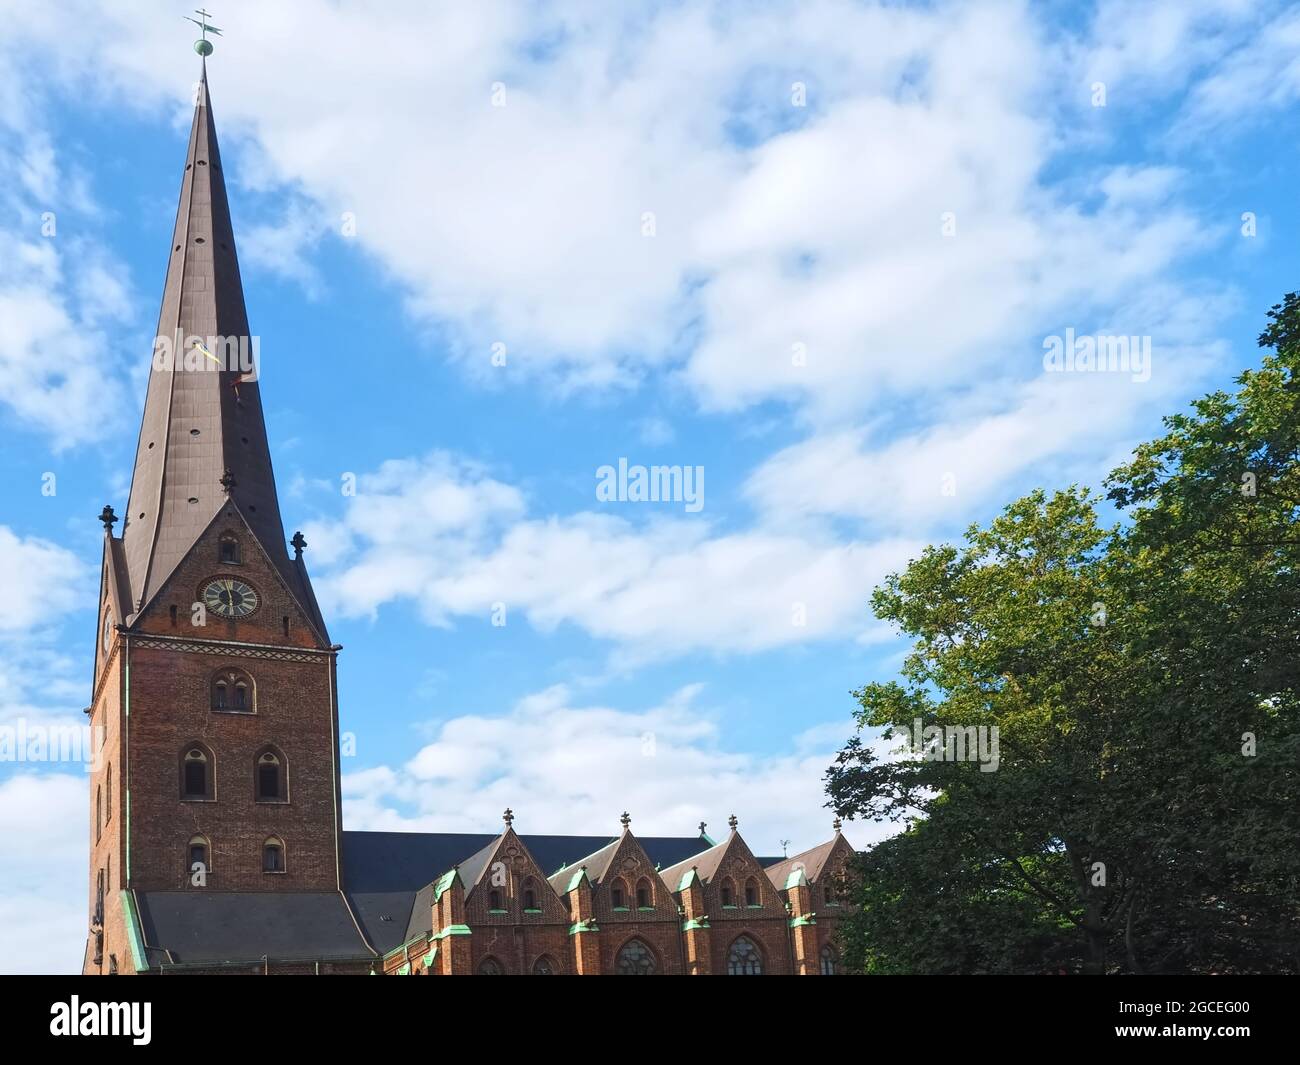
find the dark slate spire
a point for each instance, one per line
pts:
(202, 440)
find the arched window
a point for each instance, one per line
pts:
(618, 894)
(196, 773)
(198, 852)
(273, 856)
(228, 551)
(99, 897)
(544, 966)
(99, 813)
(530, 895)
(108, 795)
(644, 896)
(728, 893)
(828, 961)
(270, 778)
(233, 691)
(751, 892)
(490, 967)
(828, 893)
(635, 959)
(495, 901)
(743, 959)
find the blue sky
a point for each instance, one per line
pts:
(866, 221)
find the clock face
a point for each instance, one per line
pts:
(229, 597)
(108, 631)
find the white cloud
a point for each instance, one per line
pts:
(454, 541)
(574, 768)
(775, 225)
(44, 888)
(41, 580)
(982, 440)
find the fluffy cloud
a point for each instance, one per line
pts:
(658, 588)
(558, 765)
(501, 161)
(44, 825)
(994, 433)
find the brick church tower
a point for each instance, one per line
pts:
(217, 843)
(214, 711)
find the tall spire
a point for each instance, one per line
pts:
(203, 440)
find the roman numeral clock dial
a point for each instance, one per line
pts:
(228, 597)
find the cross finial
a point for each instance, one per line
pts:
(836, 825)
(732, 822)
(625, 820)
(108, 518)
(299, 542)
(508, 817)
(227, 481)
(703, 826)
(203, 46)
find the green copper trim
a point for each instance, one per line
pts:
(589, 925)
(806, 919)
(687, 878)
(696, 922)
(138, 958)
(403, 970)
(795, 878)
(452, 930)
(428, 958)
(443, 883)
(576, 880)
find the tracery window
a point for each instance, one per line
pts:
(635, 959)
(744, 958)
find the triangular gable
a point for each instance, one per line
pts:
(508, 865)
(737, 863)
(230, 516)
(627, 861)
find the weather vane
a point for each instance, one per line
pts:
(203, 46)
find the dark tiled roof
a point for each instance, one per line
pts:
(705, 864)
(812, 860)
(384, 872)
(224, 927)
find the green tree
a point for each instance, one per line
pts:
(1142, 679)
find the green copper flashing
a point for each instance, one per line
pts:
(138, 958)
(576, 880)
(696, 922)
(452, 930)
(428, 958)
(806, 919)
(687, 878)
(589, 925)
(443, 883)
(403, 970)
(795, 878)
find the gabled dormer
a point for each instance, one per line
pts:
(505, 885)
(735, 885)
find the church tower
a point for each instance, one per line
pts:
(213, 714)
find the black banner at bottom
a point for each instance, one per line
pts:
(153, 1014)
